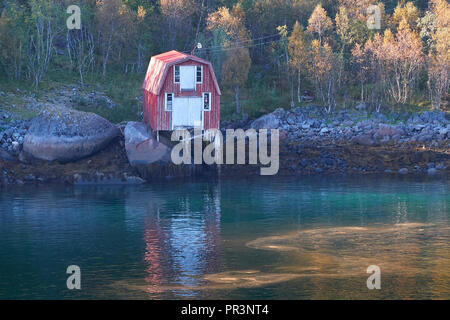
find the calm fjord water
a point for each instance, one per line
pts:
(264, 238)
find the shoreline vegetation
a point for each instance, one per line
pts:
(380, 100)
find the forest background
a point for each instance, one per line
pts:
(391, 55)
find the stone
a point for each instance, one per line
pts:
(63, 134)
(268, 121)
(418, 127)
(379, 117)
(101, 179)
(141, 147)
(361, 106)
(306, 126)
(291, 119)
(432, 171)
(5, 155)
(430, 116)
(424, 137)
(364, 139)
(77, 178)
(386, 130)
(30, 177)
(304, 162)
(15, 146)
(441, 166)
(134, 180)
(403, 171)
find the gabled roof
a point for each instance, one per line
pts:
(160, 64)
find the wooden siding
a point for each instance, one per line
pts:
(154, 105)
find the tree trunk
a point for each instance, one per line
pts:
(292, 91)
(299, 79)
(236, 98)
(362, 91)
(199, 22)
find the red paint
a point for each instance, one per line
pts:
(159, 80)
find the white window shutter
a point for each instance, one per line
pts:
(187, 77)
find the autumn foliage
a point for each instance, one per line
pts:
(267, 51)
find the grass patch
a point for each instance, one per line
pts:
(123, 89)
(263, 94)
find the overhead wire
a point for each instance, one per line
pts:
(238, 44)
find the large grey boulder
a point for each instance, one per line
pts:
(387, 130)
(268, 121)
(141, 147)
(63, 134)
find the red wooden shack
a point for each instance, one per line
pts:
(180, 91)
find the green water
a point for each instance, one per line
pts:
(264, 238)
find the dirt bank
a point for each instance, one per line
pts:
(111, 165)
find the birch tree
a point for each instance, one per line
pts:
(46, 22)
(298, 54)
(237, 64)
(319, 23)
(438, 62)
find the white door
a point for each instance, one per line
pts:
(187, 78)
(187, 112)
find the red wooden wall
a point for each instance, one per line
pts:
(154, 106)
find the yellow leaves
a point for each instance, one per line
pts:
(282, 30)
(237, 64)
(356, 9)
(177, 8)
(233, 23)
(405, 13)
(319, 22)
(441, 37)
(141, 13)
(404, 46)
(320, 59)
(398, 58)
(358, 53)
(343, 25)
(441, 9)
(408, 44)
(297, 46)
(388, 37)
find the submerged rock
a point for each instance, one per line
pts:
(364, 139)
(106, 179)
(63, 134)
(151, 158)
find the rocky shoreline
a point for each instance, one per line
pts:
(355, 141)
(312, 142)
